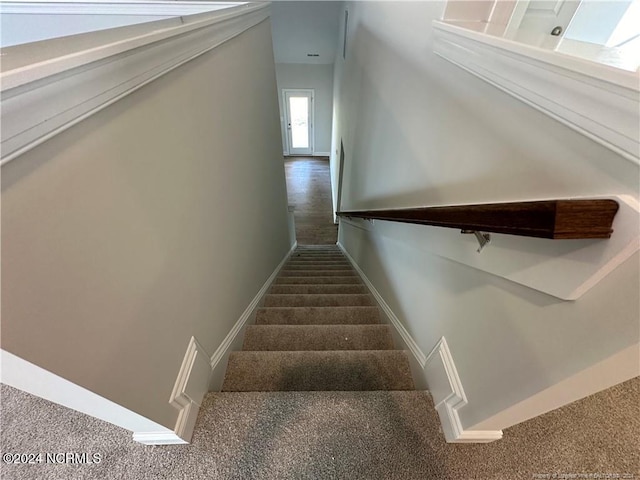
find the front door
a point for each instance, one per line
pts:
(299, 118)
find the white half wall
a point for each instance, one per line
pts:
(320, 79)
(418, 130)
(150, 222)
(25, 376)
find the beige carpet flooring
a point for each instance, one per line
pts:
(331, 435)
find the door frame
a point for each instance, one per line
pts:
(306, 92)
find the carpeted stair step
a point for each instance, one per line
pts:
(326, 280)
(318, 337)
(322, 289)
(310, 263)
(315, 267)
(335, 253)
(314, 371)
(318, 300)
(317, 316)
(317, 255)
(317, 259)
(323, 435)
(317, 273)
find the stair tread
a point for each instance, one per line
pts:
(352, 370)
(309, 263)
(318, 337)
(316, 267)
(318, 273)
(324, 280)
(317, 315)
(339, 288)
(318, 300)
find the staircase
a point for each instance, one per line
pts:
(319, 330)
(318, 390)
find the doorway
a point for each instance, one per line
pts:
(299, 119)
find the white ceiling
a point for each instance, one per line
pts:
(302, 27)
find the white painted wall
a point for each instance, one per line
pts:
(418, 130)
(303, 27)
(319, 78)
(27, 21)
(148, 223)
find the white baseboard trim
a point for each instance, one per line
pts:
(448, 396)
(223, 350)
(191, 385)
(195, 373)
(440, 372)
(158, 438)
(30, 378)
(313, 154)
(406, 336)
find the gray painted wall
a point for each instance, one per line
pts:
(418, 130)
(319, 78)
(149, 222)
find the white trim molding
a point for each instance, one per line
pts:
(48, 96)
(411, 344)
(448, 396)
(222, 352)
(440, 373)
(599, 101)
(25, 376)
(113, 7)
(190, 388)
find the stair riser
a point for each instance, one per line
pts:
(318, 289)
(317, 254)
(316, 266)
(318, 273)
(319, 262)
(333, 253)
(317, 337)
(317, 280)
(309, 252)
(318, 316)
(319, 258)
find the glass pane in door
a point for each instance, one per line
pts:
(299, 108)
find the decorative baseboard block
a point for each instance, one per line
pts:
(448, 396)
(190, 388)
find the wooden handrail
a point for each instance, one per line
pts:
(557, 219)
